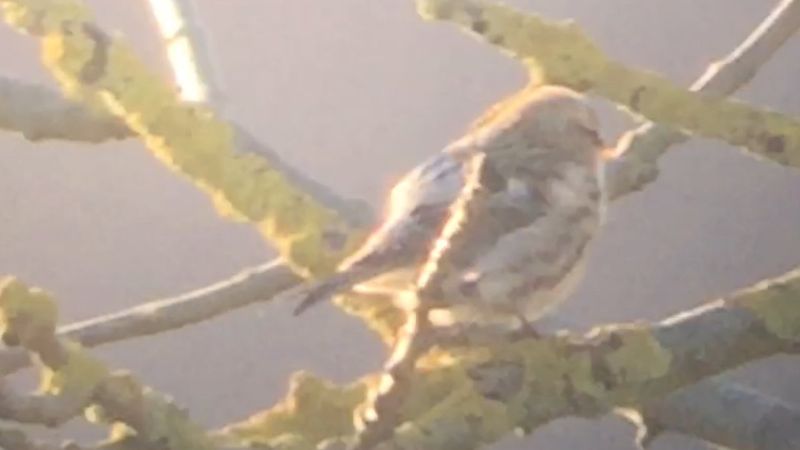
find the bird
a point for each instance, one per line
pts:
(515, 250)
(514, 241)
(415, 213)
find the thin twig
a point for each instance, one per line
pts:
(469, 396)
(190, 60)
(40, 113)
(188, 57)
(642, 147)
(257, 284)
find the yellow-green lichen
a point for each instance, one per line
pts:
(562, 54)
(777, 304)
(638, 355)
(582, 378)
(547, 373)
(314, 409)
(102, 70)
(146, 413)
(77, 378)
(25, 16)
(529, 38)
(461, 408)
(169, 424)
(25, 313)
(378, 312)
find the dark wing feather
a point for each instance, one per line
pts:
(418, 206)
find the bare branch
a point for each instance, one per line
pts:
(186, 50)
(642, 147)
(40, 113)
(257, 284)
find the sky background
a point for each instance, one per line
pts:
(356, 92)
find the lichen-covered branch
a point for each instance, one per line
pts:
(728, 414)
(560, 53)
(190, 61)
(466, 397)
(103, 71)
(642, 147)
(40, 113)
(70, 374)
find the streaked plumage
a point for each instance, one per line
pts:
(515, 253)
(514, 242)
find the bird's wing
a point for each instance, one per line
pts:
(417, 208)
(500, 245)
(418, 205)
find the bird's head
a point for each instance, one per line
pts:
(552, 118)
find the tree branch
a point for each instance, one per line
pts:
(257, 284)
(187, 52)
(190, 60)
(467, 397)
(163, 315)
(562, 54)
(70, 373)
(40, 113)
(729, 415)
(47, 410)
(188, 138)
(642, 147)
(14, 439)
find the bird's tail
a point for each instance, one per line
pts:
(325, 289)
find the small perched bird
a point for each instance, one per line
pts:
(513, 243)
(420, 203)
